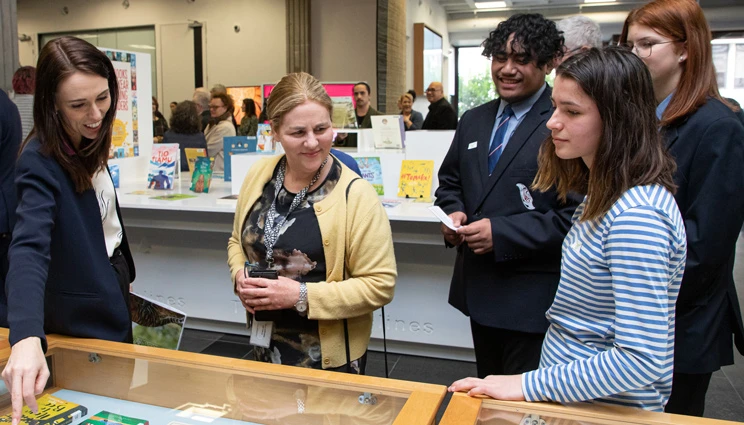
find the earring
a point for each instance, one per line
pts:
(680, 59)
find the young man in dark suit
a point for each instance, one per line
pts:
(10, 142)
(509, 245)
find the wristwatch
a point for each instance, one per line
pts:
(301, 305)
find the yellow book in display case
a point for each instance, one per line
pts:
(416, 178)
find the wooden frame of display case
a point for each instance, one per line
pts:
(465, 410)
(193, 376)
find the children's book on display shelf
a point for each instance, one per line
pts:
(371, 169)
(164, 166)
(265, 142)
(236, 145)
(416, 177)
(201, 178)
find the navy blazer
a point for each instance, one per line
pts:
(513, 286)
(10, 142)
(709, 149)
(60, 278)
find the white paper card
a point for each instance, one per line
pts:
(261, 333)
(443, 217)
(472, 145)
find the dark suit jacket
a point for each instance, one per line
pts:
(60, 278)
(10, 142)
(195, 140)
(709, 149)
(513, 286)
(441, 116)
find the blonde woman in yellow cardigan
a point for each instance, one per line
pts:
(322, 232)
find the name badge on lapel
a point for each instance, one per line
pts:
(473, 145)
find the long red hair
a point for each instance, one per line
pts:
(682, 20)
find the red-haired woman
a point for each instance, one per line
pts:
(705, 137)
(24, 83)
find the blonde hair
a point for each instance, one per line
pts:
(405, 95)
(292, 91)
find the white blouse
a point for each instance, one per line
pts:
(106, 196)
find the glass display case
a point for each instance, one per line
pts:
(464, 410)
(121, 383)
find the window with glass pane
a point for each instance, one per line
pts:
(474, 79)
(739, 70)
(720, 61)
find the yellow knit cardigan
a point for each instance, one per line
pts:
(358, 228)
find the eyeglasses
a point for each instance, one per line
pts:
(644, 48)
(215, 107)
(431, 90)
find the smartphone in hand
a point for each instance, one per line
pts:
(266, 315)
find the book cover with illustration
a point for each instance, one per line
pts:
(192, 154)
(201, 178)
(52, 411)
(416, 177)
(265, 139)
(163, 166)
(371, 169)
(234, 146)
(343, 112)
(155, 324)
(108, 418)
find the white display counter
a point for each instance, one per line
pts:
(180, 251)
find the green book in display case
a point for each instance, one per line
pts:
(108, 418)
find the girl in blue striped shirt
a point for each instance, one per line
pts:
(611, 335)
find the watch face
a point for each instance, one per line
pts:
(301, 306)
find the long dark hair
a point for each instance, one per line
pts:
(250, 107)
(58, 60)
(185, 119)
(631, 151)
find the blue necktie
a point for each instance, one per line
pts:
(499, 139)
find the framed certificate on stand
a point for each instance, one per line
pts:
(388, 131)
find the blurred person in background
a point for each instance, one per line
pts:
(159, 123)
(220, 126)
(24, 84)
(185, 130)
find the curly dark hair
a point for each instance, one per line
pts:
(185, 119)
(537, 36)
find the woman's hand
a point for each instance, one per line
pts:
(499, 387)
(267, 294)
(25, 375)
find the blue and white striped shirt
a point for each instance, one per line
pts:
(611, 335)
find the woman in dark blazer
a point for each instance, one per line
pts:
(185, 130)
(707, 140)
(413, 120)
(70, 263)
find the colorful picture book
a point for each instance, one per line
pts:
(236, 145)
(201, 178)
(108, 418)
(173, 197)
(155, 324)
(371, 169)
(343, 112)
(416, 177)
(163, 166)
(114, 170)
(52, 411)
(265, 139)
(192, 154)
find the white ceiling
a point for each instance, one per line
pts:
(468, 25)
